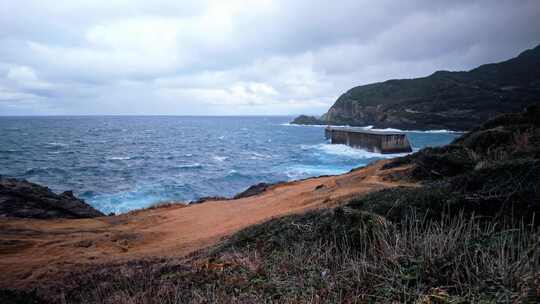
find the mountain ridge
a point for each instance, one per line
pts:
(459, 100)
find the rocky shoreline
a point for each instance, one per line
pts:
(21, 198)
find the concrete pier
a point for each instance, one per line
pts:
(373, 141)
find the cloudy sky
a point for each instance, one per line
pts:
(195, 57)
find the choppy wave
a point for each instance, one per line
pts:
(57, 144)
(125, 201)
(160, 158)
(45, 171)
(233, 174)
(58, 151)
(255, 155)
(220, 158)
(118, 158)
(190, 166)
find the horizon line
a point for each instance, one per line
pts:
(149, 115)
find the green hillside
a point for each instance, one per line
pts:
(443, 100)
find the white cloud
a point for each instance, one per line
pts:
(26, 78)
(7, 94)
(22, 74)
(240, 57)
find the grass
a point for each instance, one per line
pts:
(363, 258)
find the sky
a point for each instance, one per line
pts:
(232, 57)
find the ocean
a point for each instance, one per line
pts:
(122, 163)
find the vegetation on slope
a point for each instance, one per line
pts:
(443, 100)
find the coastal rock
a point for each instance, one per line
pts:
(307, 120)
(251, 191)
(444, 100)
(205, 199)
(254, 190)
(20, 198)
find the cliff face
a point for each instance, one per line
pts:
(443, 100)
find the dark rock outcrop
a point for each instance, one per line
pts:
(251, 191)
(20, 198)
(255, 190)
(443, 100)
(205, 199)
(513, 138)
(307, 120)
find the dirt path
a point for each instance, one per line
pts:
(34, 250)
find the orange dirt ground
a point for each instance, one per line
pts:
(35, 250)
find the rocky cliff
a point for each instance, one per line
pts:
(443, 100)
(20, 198)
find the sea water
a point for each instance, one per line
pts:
(121, 163)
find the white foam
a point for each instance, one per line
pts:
(439, 131)
(409, 131)
(57, 144)
(377, 129)
(219, 158)
(119, 158)
(346, 151)
(297, 125)
(255, 155)
(303, 171)
(234, 173)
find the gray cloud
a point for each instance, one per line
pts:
(239, 57)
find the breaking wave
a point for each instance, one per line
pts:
(296, 125)
(304, 171)
(118, 158)
(220, 158)
(371, 128)
(349, 152)
(190, 166)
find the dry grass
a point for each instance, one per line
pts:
(344, 256)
